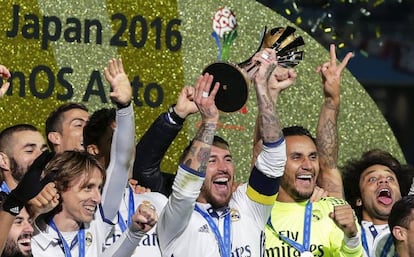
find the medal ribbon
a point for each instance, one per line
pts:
(224, 243)
(5, 188)
(131, 211)
(385, 250)
(306, 231)
(80, 237)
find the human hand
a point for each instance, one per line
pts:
(318, 193)
(267, 64)
(185, 103)
(144, 218)
(121, 90)
(4, 73)
(331, 74)
(138, 189)
(280, 79)
(205, 101)
(45, 201)
(344, 218)
(29, 186)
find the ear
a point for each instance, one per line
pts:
(4, 161)
(54, 137)
(399, 233)
(358, 202)
(92, 149)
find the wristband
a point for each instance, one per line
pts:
(119, 106)
(174, 116)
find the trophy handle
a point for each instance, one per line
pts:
(284, 42)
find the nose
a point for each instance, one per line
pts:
(28, 227)
(221, 166)
(96, 196)
(306, 164)
(383, 179)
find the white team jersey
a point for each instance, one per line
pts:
(247, 230)
(45, 242)
(376, 245)
(148, 245)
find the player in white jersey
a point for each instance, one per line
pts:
(92, 229)
(203, 216)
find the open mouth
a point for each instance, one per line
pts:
(90, 209)
(221, 183)
(25, 242)
(384, 196)
(307, 177)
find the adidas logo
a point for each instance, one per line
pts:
(15, 210)
(204, 229)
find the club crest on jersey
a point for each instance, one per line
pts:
(88, 238)
(234, 215)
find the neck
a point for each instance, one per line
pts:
(284, 197)
(401, 250)
(64, 223)
(375, 221)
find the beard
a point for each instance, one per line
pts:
(11, 249)
(216, 202)
(17, 171)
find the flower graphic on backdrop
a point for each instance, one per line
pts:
(224, 31)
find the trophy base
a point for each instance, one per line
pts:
(233, 92)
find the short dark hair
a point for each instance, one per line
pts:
(353, 169)
(400, 214)
(54, 120)
(7, 133)
(297, 131)
(97, 124)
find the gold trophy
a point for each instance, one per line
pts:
(234, 80)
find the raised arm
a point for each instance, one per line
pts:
(191, 172)
(271, 156)
(279, 79)
(123, 140)
(330, 178)
(155, 142)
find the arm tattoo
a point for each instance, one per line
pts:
(206, 133)
(327, 143)
(202, 157)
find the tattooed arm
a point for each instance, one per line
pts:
(176, 215)
(330, 178)
(275, 81)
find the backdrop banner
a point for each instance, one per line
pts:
(56, 51)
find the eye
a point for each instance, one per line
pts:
(372, 179)
(389, 178)
(313, 157)
(229, 160)
(18, 221)
(212, 160)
